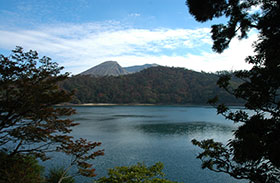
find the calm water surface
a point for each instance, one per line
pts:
(131, 134)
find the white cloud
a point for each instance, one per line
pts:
(134, 14)
(80, 46)
(230, 59)
(255, 9)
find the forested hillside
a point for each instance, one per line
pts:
(156, 85)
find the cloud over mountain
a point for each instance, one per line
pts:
(79, 46)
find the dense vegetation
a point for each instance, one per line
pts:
(135, 174)
(253, 153)
(156, 85)
(30, 125)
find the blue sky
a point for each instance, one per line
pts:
(79, 34)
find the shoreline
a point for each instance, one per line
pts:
(104, 104)
(135, 104)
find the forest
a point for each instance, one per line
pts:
(156, 85)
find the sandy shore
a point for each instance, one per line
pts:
(103, 104)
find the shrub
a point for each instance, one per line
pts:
(135, 174)
(55, 175)
(19, 169)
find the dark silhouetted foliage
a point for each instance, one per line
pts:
(20, 169)
(29, 122)
(254, 151)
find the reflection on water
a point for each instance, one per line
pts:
(133, 116)
(149, 134)
(188, 129)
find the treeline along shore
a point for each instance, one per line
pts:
(157, 85)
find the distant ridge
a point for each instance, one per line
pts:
(138, 68)
(112, 68)
(108, 68)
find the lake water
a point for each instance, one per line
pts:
(131, 134)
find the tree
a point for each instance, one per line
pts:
(136, 173)
(29, 122)
(20, 168)
(253, 153)
(81, 152)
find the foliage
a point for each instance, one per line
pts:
(29, 122)
(27, 94)
(20, 169)
(55, 175)
(254, 152)
(156, 85)
(81, 152)
(136, 173)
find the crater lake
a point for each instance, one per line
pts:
(149, 134)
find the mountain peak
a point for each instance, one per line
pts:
(109, 62)
(112, 68)
(108, 68)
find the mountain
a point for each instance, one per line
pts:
(108, 68)
(112, 68)
(155, 85)
(138, 68)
